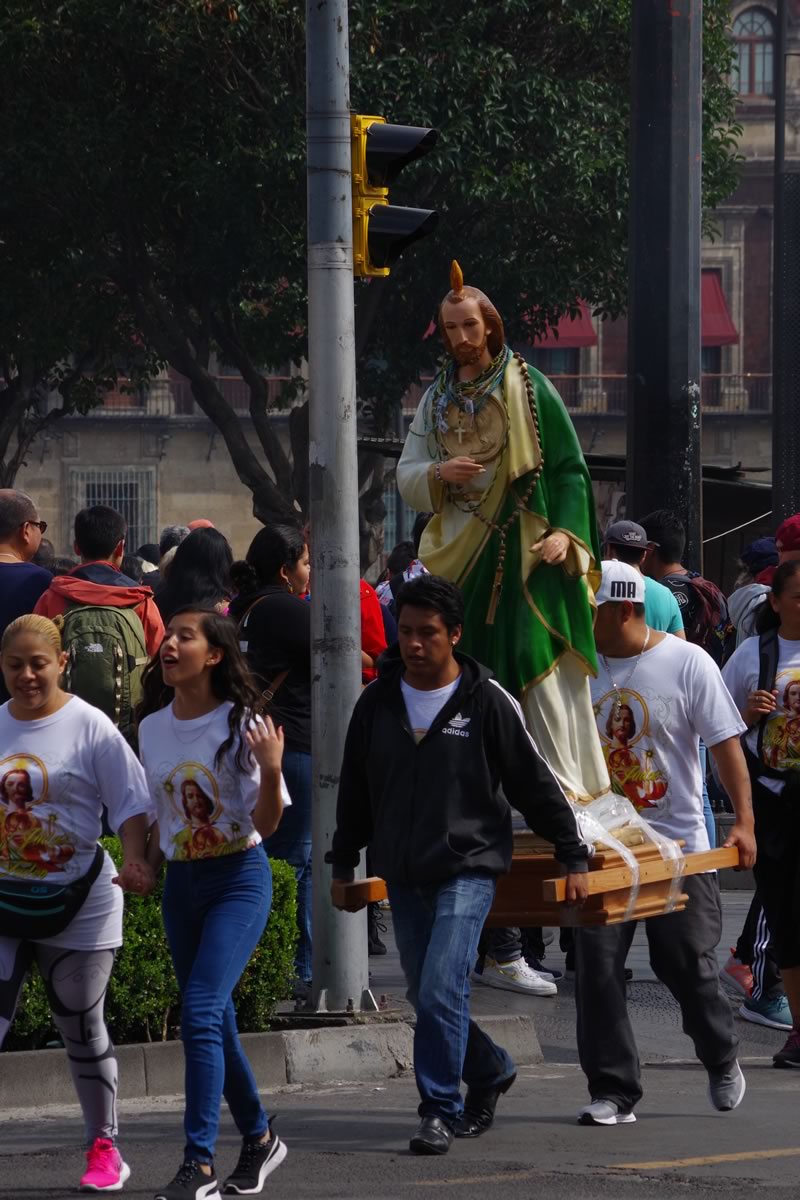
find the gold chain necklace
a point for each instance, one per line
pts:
(618, 691)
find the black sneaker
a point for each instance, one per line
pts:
(789, 1054)
(256, 1163)
(191, 1184)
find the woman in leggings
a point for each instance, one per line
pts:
(214, 771)
(60, 761)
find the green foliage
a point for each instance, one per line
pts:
(143, 1002)
(270, 973)
(162, 144)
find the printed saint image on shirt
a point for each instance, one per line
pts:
(623, 722)
(32, 843)
(203, 832)
(782, 735)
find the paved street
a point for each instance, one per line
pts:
(350, 1140)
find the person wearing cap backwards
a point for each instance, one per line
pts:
(656, 696)
(627, 542)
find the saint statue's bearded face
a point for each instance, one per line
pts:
(465, 329)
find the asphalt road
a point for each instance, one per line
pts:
(350, 1141)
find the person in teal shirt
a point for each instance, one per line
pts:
(627, 541)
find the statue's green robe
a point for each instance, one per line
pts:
(540, 645)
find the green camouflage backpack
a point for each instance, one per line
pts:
(107, 657)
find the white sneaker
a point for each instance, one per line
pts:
(515, 976)
(604, 1112)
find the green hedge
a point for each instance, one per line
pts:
(143, 1002)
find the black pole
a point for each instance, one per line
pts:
(664, 467)
(785, 304)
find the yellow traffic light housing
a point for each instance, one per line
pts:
(382, 231)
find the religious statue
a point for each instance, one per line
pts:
(493, 454)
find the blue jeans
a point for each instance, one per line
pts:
(291, 842)
(436, 929)
(215, 910)
(708, 813)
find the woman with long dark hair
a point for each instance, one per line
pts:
(199, 574)
(772, 747)
(275, 634)
(200, 736)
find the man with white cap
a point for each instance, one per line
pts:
(627, 542)
(653, 698)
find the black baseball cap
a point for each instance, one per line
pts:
(627, 533)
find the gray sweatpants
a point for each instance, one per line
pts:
(682, 954)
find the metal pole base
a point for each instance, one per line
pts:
(368, 1003)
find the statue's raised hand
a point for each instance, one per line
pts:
(552, 548)
(460, 470)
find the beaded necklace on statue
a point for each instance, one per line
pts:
(468, 396)
(439, 406)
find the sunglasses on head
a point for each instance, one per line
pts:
(40, 525)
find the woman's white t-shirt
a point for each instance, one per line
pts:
(204, 811)
(56, 774)
(782, 730)
(650, 725)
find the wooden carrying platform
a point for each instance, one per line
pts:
(534, 892)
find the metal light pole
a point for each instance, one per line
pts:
(664, 397)
(340, 972)
(785, 304)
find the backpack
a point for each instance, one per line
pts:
(710, 625)
(107, 657)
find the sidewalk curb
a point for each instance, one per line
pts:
(33, 1078)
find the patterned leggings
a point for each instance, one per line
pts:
(76, 982)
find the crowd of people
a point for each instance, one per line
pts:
(166, 695)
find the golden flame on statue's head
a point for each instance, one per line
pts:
(458, 292)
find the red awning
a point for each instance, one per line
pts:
(717, 328)
(573, 334)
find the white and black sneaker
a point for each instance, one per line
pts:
(191, 1183)
(257, 1161)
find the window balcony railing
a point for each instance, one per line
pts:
(585, 395)
(174, 398)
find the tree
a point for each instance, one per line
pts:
(163, 143)
(64, 341)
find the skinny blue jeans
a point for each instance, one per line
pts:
(436, 928)
(291, 842)
(215, 910)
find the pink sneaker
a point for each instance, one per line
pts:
(105, 1169)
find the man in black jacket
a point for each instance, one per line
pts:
(436, 753)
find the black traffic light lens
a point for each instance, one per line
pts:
(391, 229)
(391, 147)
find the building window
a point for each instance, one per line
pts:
(754, 34)
(711, 366)
(129, 490)
(555, 362)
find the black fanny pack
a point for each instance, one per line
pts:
(32, 910)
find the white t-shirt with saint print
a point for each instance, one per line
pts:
(204, 811)
(56, 774)
(781, 745)
(671, 698)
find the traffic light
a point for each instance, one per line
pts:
(381, 231)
